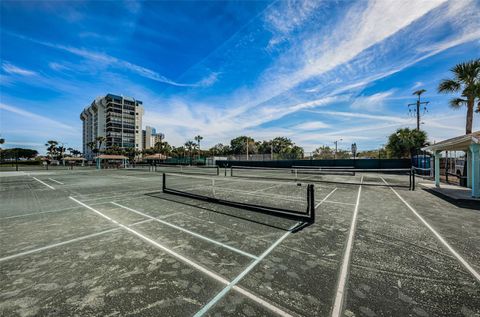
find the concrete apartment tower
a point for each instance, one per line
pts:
(117, 118)
(151, 137)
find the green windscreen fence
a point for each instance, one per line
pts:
(348, 176)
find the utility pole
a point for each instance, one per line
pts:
(336, 148)
(418, 104)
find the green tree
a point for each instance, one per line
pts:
(466, 80)
(99, 141)
(323, 153)
(198, 138)
(404, 142)
(190, 145)
(239, 145)
(2, 140)
(52, 149)
(373, 154)
(22, 153)
(60, 151)
(93, 146)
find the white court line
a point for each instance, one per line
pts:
(73, 240)
(223, 292)
(342, 279)
(56, 181)
(326, 197)
(188, 261)
(189, 232)
(439, 237)
(43, 183)
(56, 244)
(44, 212)
(338, 202)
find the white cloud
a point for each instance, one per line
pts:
(418, 84)
(311, 125)
(371, 103)
(57, 66)
(38, 118)
(107, 60)
(12, 69)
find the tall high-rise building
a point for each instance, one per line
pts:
(117, 118)
(151, 137)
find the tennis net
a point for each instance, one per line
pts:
(293, 201)
(188, 169)
(402, 177)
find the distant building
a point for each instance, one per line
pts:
(151, 137)
(117, 118)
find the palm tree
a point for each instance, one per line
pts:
(198, 138)
(100, 140)
(92, 145)
(190, 145)
(466, 80)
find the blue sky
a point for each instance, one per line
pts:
(315, 71)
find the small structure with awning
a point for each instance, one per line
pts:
(73, 160)
(155, 157)
(470, 143)
(108, 157)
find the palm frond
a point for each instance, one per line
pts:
(449, 85)
(467, 72)
(457, 103)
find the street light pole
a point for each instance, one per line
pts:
(336, 148)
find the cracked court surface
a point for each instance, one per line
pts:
(109, 243)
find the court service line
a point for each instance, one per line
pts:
(342, 279)
(186, 260)
(56, 245)
(44, 212)
(56, 181)
(71, 240)
(188, 231)
(51, 187)
(439, 237)
(326, 197)
(339, 202)
(237, 279)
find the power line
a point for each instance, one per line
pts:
(416, 111)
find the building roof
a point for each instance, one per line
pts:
(111, 157)
(460, 143)
(74, 159)
(156, 156)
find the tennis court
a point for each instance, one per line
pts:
(114, 243)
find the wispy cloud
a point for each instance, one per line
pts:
(12, 69)
(311, 125)
(371, 103)
(107, 60)
(39, 119)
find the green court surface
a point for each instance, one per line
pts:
(88, 242)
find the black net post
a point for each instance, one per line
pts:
(164, 185)
(311, 201)
(231, 170)
(413, 179)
